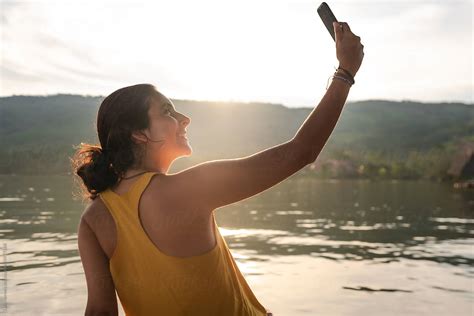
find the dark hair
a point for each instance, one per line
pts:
(122, 112)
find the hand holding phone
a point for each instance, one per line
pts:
(349, 50)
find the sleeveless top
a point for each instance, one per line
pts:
(149, 282)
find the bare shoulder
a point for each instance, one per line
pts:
(173, 188)
(102, 224)
(100, 220)
(176, 192)
(182, 187)
(98, 216)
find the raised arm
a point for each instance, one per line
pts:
(317, 128)
(218, 183)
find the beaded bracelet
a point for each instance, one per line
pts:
(351, 77)
(340, 78)
(346, 72)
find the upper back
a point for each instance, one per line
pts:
(173, 225)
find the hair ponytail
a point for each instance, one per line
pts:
(93, 165)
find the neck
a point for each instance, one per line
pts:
(134, 172)
(148, 165)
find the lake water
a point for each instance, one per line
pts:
(305, 246)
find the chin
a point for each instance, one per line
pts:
(189, 152)
(186, 151)
(185, 148)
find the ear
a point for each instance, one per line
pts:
(139, 137)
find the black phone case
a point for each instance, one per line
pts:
(328, 17)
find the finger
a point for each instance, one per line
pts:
(346, 27)
(337, 30)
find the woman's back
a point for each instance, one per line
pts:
(175, 229)
(154, 280)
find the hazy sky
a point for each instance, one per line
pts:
(244, 50)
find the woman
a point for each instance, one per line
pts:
(152, 236)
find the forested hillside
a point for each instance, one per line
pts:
(37, 133)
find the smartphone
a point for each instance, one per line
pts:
(328, 17)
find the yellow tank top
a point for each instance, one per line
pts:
(149, 282)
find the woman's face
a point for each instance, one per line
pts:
(164, 134)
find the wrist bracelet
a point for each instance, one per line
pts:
(340, 78)
(343, 79)
(351, 77)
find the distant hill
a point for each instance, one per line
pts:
(37, 132)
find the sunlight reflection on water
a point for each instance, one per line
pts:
(305, 247)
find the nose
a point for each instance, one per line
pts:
(185, 120)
